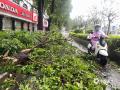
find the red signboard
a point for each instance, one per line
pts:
(35, 15)
(11, 8)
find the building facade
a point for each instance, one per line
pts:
(18, 15)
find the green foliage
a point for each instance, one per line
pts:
(114, 43)
(78, 31)
(7, 83)
(114, 47)
(79, 35)
(58, 11)
(60, 67)
(89, 31)
(57, 66)
(15, 41)
(13, 45)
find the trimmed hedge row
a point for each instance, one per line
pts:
(79, 35)
(113, 43)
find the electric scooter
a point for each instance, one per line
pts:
(101, 51)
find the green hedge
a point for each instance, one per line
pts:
(114, 47)
(79, 35)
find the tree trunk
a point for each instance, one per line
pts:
(40, 14)
(109, 25)
(51, 12)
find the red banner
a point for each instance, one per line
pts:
(13, 9)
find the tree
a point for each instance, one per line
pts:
(40, 5)
(95, 16)
(106, 12)
(109, 12)
(58, 10)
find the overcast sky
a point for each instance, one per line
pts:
(82, 7)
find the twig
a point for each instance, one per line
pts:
(6, 54)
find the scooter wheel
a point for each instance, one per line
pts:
(103, 60)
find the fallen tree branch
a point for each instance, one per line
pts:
(3, 76)
(22, 57)
(6, 54)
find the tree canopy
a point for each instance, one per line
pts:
(58, 10)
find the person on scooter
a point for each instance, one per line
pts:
(97, 42)
(96, 35)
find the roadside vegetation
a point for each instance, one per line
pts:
(113, 43)
(52, 65)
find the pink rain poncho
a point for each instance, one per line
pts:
(96, 36)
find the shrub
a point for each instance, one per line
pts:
(15, 41)
(78, 31)
(79, 35)
(13, 45)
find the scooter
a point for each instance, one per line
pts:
(101, 51)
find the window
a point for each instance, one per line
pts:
(25, 6)
(16, 1)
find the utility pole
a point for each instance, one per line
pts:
(40, 14)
